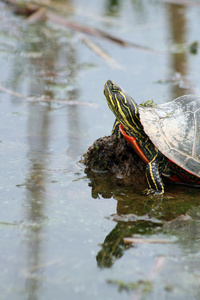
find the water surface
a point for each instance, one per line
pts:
(61, 231)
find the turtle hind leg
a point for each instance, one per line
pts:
(154, 180)
(115, 130)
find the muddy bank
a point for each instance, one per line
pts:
(114, 156)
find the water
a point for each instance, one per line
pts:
(61, 231)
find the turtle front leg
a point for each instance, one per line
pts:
(154, 180)
(115, 130)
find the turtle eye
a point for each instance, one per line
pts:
(115, 88)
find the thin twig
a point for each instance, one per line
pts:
(43, 98)
(3, 89)
(43, 265)
(92, 31)
(100, 52)
(55, 18)
(130, 240)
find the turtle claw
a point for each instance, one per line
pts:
(153, 192)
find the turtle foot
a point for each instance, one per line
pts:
(153, 192)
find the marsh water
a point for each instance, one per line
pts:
(62, 232)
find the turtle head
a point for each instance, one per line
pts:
(122, 105)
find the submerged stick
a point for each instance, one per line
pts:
(82, 28)
(43, 98)
(130, 240)
(3, 89)
(92, 31)
(100, 52)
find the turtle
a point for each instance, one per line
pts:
(166, 136)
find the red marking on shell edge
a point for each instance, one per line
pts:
(175, 178)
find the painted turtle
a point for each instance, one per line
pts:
(167, 137)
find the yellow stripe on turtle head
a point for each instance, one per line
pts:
(123, 106)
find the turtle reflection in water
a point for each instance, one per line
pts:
(167, 137)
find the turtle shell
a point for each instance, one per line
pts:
(174, 128)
